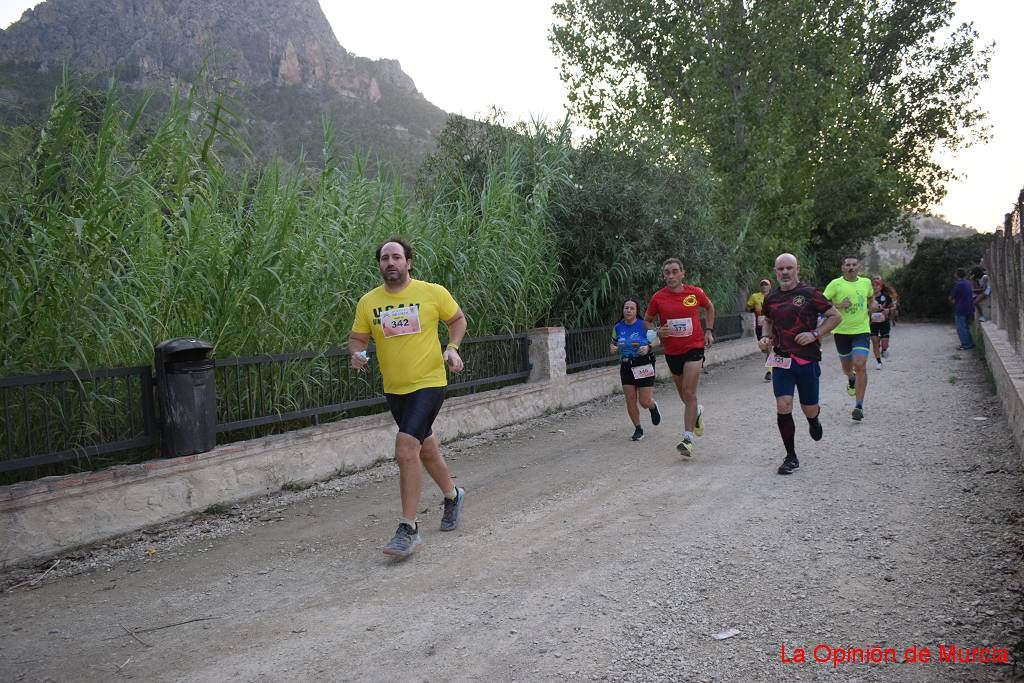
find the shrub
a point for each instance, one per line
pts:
(923, 284)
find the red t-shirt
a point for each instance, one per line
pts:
(681, 311)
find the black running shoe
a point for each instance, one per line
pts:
(857, 414)
(815, 428)
(655, 415)
(638, 433)
(789, 465)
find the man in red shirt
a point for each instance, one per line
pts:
(677, 307)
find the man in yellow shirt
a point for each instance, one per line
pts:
(402, 316)
(754, 304)
(854, 296)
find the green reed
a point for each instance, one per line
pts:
(121, 229)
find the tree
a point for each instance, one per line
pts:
(819, 117)
(625, 206)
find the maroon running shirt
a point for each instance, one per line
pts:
(794, 312)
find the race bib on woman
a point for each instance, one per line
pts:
(396, 322)
(643, 371)
(776, 361)
(877, 317)
(680, 327)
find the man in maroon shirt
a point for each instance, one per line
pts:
(790, 337)
(677, 307)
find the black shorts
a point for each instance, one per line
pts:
(626, 372)
(880, 329)
(415, 413)
(852, 344)
(676, 363)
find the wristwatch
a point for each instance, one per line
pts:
(815, 333)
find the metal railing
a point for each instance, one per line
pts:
(729, 327)
(63, 417)
(253, 391)
(66, 416)
(588, 348)
(1005, 264)
(272, 389)
(491, 362)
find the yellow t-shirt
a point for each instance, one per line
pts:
(855, 318)
(404, 329)
(755, 301)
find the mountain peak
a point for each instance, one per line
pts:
(153, 43)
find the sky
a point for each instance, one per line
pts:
(467, 56)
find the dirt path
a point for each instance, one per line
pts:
(584, 556)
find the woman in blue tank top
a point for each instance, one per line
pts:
(634, 343)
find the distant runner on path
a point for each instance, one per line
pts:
(755, 304)
(677, 307)
(635, 344)
(880, 325)
(853, 295)
(402, 316)
(791, 338)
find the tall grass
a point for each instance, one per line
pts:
(119, 229)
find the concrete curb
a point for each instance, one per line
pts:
(1008, 372)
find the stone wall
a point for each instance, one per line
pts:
(41, 518)
(1007, 369)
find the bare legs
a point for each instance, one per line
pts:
(409, 454)
(686, 386)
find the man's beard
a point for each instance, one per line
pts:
(394, 276)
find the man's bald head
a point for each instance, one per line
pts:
(786, 258)
(787, 271)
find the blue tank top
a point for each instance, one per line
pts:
(629, 339)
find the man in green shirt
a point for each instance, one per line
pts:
(853, 295)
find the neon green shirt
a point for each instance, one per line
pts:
(855, 318)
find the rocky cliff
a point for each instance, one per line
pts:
(265, 52)
(887, 253)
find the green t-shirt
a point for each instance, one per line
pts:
(855, 318)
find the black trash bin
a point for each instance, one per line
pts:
(188, 397)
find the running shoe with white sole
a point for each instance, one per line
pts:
(404, 542)
(851, 385)
(789, 465)
(638, 434)
(452, 510)
(685, 448)
(698, 427)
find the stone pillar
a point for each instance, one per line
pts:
(547, 354)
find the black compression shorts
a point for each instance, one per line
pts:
(414, 413)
